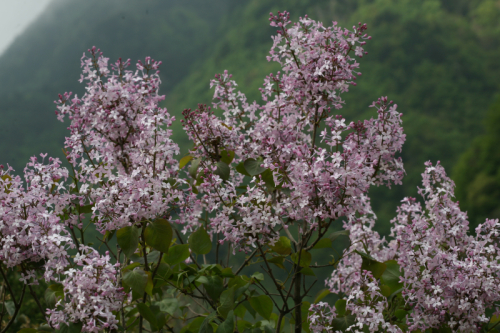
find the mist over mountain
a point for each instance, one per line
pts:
(437, 59)
(45, 60)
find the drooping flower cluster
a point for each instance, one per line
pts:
(30, 226)
(362, 239)
(281, 146)
(91, 293)
(450, 276)
(119, 145)
(364, 302)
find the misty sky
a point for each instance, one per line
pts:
(15, 16)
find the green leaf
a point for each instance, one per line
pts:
(53, 293)
(163, 272)
(202, 280)
(228, 325)
(370, 264)
(227, 272)
(249, 308)
(337, 234)
(10, 307)
(278, 261)
(185, 160)
(263, 305)
(158, 235)
(128, 239)
(282, 246)
(253, 166)
(305, 258)
(241, 169)
(400, 314)
(161, 317)
(343, 323)
(323, 243)
(226, 302)
(199, 241)
(240, 311)
(149, 284)
(227, 156)
(205, 326)
(177, 254)
(214, 287)
(267, 177)
(321, 294)
(340, 307)
(391, 275)
(385, 290)
(258, 276)
(168, 305)
(193, 169)
(194, 326)
(153, 256)
(146, 312)
(137, 280)
(223, 170)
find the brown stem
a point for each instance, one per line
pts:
(18, 307)
(297, 299)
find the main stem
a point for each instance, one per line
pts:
(297, 299)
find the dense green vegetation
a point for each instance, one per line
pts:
(437, 59)
(477, 174)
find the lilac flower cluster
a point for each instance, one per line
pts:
(91, 293)
(313, 184)
(450, 277)
(119, 146)
(30, 226)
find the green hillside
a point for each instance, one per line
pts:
(437, 59)
(477, 174)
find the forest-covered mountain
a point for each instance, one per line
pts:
(437, 59)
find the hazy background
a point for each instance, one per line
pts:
(437, 59)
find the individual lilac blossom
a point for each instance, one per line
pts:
(30, 225)
(120, 147)
(91, 293)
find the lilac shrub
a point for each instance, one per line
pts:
(268, 180)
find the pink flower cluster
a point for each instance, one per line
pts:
(91, 293)
(119, 146)
(366, 306)
(312, 183)
(450, 277)
(30, 226)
